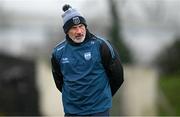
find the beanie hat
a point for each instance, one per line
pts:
(71, 17)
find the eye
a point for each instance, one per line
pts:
(74, 27)
(81, 25)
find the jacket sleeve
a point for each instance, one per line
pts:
(57, 75)
(112, 65)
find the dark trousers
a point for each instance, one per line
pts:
(105, 113)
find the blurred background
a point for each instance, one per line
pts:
(146, 34)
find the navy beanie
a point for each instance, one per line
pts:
(71, 17)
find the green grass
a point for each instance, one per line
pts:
(170, 86)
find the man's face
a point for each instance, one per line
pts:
(77, 33)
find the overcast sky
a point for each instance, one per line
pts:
(143, 35)
(46, 6)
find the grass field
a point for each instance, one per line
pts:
(170, 86)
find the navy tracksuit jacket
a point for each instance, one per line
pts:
(88, 74)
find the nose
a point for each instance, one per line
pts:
(78, 30)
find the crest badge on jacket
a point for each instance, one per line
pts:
(87, 55)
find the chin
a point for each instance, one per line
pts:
(79, 40)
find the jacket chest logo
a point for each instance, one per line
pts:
(87, 55)
(65, 60)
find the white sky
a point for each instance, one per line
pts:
(44, 6)
(141, 42)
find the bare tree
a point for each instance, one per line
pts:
(115, 33)
(3, 17)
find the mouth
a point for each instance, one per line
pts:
(79, 36)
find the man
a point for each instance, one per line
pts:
(86, 69)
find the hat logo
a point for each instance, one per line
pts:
(76, 20)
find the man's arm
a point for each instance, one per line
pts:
(58, 77)
(112, 65)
